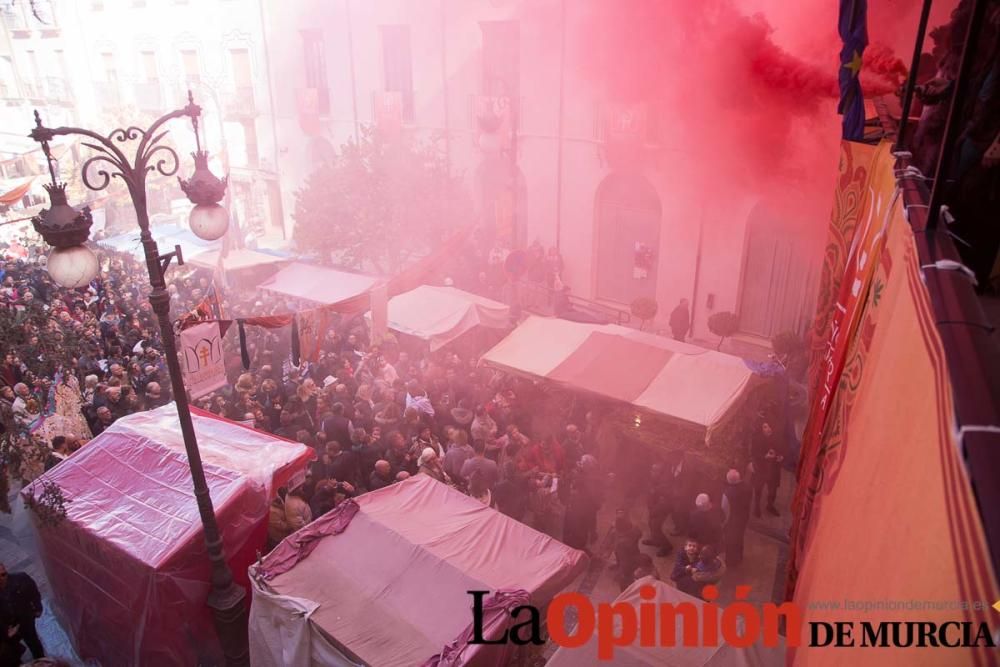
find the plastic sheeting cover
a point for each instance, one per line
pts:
(128, 565)
(392, 588)
(442, 314)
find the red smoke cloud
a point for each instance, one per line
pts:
(755, 118)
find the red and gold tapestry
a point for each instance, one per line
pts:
(886, 527)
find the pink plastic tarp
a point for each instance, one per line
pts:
(128, 564)
(391, 588)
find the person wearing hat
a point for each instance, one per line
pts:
(706, 522)
(429, 464)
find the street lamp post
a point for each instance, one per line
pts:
(66, 230)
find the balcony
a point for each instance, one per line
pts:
(9, 95)
(58, 90)
(240, 102)
(107, 95)
(148, 97)
(13, 20)
(32, 91)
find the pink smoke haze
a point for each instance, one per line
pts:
(751, 89)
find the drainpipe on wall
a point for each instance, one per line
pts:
(274, 115)
(697, 272)
(559, 130)
(444, 89)
(354, 87)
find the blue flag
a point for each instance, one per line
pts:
(853, 28)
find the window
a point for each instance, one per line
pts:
(192, 70)
(149, 66)
(31, 83)
(315, 61)
(501, 58)
(110, 71)
(250, 141)
(397, 64)
(240, 59)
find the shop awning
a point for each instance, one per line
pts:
(13, 193)
(686, 383)
(319, 284)
(439, 315)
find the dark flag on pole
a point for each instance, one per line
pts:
(853, 28)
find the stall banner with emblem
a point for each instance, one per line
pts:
(202, 360)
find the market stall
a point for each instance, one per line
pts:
(439, 315)
(688, 384)
(166, 235)
(128, 564)
(318, 284)
(383, 579)
(635, 655)
(239, 259)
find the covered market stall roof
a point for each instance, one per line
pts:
(686, 383)
(386, 577)
(723, 655)
(439, 315)
(319, 284)
(166, 235)
(128, 563)
(236, 260)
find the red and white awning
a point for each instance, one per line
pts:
(685, 382)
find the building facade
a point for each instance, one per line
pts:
(116, 63)
(547, 153)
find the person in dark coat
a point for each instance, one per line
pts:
(381, 476)
(766, 454)
(626, 539)
(660, 505)
(20, 605)
(343, 465)
(685, 565)
(736, 500)
(680, 321)
(706, 522)
(338, 426)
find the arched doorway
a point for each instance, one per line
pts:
(628, 213)
(503, 209)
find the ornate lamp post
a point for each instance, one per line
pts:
(73, 264)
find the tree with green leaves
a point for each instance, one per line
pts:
(380, 203)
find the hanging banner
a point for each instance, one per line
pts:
(885, 480)
(877, 194)
(201, 359)
(312, 327)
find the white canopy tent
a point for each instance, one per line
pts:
(319, 284)
(235, 260)
(439, 315)
(686, 383)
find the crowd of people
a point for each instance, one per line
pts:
(375, 413)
